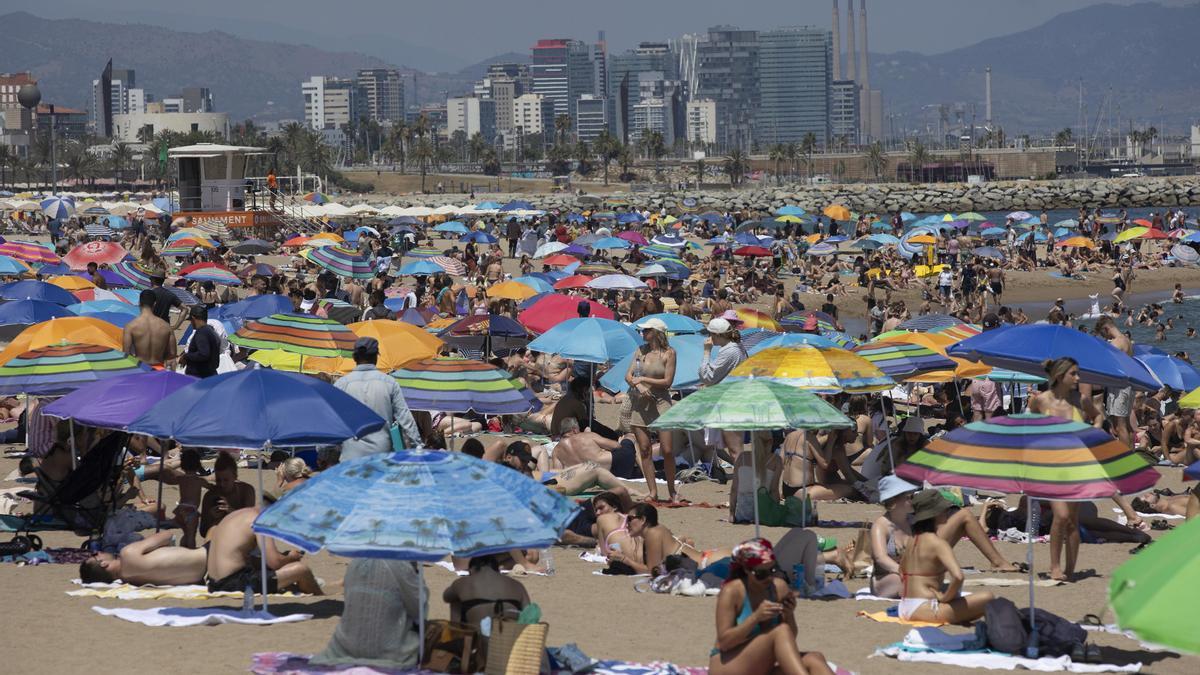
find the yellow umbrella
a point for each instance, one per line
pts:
(821, 370)
(837, 212)
(921, 239)
(78, 329)
(1077, 242)
(296, 363)
(511, 290)
(939, 343)
(330, 236)
(399, 342)
(72, 283)
(1131, 233)
(790, 219)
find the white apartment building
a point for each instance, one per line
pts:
(527, 114)
(702, 121)
(331, 102)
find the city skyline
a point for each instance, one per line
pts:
(922, 26)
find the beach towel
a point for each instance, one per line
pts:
(990, 660)
(610, 667)
(123, 591)
(865, 594)
(286, 663)
(1145, 516)
(1022, 581)
(593, 557)
(197, 616)
(884, 617)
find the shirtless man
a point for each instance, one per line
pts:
(495, 271)
(995, 277)
(149, 338)
(151, 561)
(228, 494)
(234, 562)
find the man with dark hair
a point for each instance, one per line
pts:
(164, 300)
(379, 392)
(147, 337)
(227, 495)
(204, 351)
(95, 277)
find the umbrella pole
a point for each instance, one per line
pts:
(1031, 650)
(262, 539)
(74, 450)
(803, 478)
(591, 410)
(754, 480)
(958, 395)
(420, 613)
(888, 435)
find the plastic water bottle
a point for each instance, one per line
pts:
(548, 556)
(248, 599)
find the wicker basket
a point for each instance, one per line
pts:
(516, 648)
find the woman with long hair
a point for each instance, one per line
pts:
(649, 377)
(756, 619)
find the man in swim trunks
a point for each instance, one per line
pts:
(576, 447)
(234, 560)
(151, 561)
(147, 337)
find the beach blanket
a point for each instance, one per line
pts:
(123, 591)
(1145, 516)
(990, 660)
(197, 616)
(885, 617)
(286, 663)
(1016, 580)
(865, 594)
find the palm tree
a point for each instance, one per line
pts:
(397, 137)
(608, 148)
(699, 172)
(777, 154)
(475, 146)
(145, 135)
(562, 128)
(7, 157)
(918, 157)
(1064, 137)
(808, 146)
(120, 157)
(839, 170)
(877, 159)
(791, 152)
(654, 147)
(583, 158)
(735, 166)
(625, 160)
(423, 152)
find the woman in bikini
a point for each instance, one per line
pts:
(658, 542)
(649, 377)
(892, 534)
(926, 562)
(756, 620)
(810, 465)
(612, 527)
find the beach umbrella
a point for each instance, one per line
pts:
(297, 333)
(257, 270)
(633, 237)
(900, 360)
(234, 314)
(1185, 254)
(797, 320)
(72, 329)
(30, 289)
(753, 318)
(938, 343)
(417, 505)
(822, 249)
(217, 275)
(756, 340)
(837, 212)
(941, 324)
(341, 261)
(815, 369)
(990, 232)
(450, 265)
(592, 340)
(555, 308)
(1076, 242)
(607, 243)
(99, 252)
(1155, 592)
(399, 342)
(134, 273)
(689, 351)
(538, 283)
(423, 252)
(120, 295)
(479, 237)
(297, 241)
(58, 208)
(1020, 215)
(621, 282)
(753, 252)
(30, 312)
(96, 306)
(58, 369)
(457, 385)
(1040, 456)
(789, 210)
(278, 359)
(549, 249)
(485, 333)
(114, 402)
(253, 247)
(28, 252)
(72, 282)
(511, 290)
(110, 277)
(1130, 234)
(315, 198)
(420, 268)
(1024, 348)
(57, 269)
(677, 324)
(451, 227)
(560, 260)
(1169, 370)
(12, 267)
(573, 281)
(183, 247)
(988, 252)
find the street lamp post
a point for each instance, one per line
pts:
(29, 96)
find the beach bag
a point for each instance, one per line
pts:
(1005, 631)
(451, 647)
(1056, 636)
(516, 648)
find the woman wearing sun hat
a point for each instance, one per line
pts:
(756, 620)
(649, 377)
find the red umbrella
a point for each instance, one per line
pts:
(1143, 222)
(633, 237)
(202, 266)
(560, 260)
(99, 252)
(576, 281)
(755, 251)
(553, 309)
(1154, 233)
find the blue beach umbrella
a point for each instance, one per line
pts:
(116, 222)
(29, 312)
(96, 306)
(517, 205)
(1024, 348)
(451, 227)
(536, 283)
(1171, 371)
(419, 268)
(58, 208)
(13, 267)
(37, 290)
(790, 210)
(767, 339)
(676, 323)
(118, 319)
(479, 238)
(607, 243)
(591, 340)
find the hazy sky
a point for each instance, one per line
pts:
(448, 34)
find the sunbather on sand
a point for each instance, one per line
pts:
(234, 563)
(657, 542)
(151, 561)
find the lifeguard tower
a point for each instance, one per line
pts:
(212, 185)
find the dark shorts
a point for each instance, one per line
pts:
(624, 461)
(996, 287)
(250, 575)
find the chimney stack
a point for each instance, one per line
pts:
(864, 74)
(837, 44)
(851, 50)
(987, 82)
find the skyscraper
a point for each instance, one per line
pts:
(726, 71)
(384, 91)
(623, 93)
(795, 76)
(550, 74)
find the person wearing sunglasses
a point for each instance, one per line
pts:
(756, 622)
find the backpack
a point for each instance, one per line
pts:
(1005, 631)
(1056, 636)
(1008, 630)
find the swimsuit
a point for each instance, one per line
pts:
(909, 606)
(747, 610)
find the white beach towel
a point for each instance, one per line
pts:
(197, 616)
(997, 661)
(1145, 516)
(593, 557)
(449, 566)
(865, 594)
(1016, 580)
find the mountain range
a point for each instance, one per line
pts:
(1134, 61)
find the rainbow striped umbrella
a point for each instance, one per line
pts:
(133, 272)
(458, 385)
(64, 367)
(426, 252)
(29, 252)
(297, 333)
(217, 275)
(1036, 455)
(183, 247)
(797, 320)
(753, 318)
(821, 370)
(341, 261)
(899, 360)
